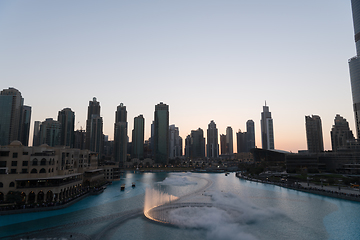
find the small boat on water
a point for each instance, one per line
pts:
(122, 188)
(133, 184)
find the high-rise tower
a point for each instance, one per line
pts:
(67, 119)
(175, 142)
(94, 128)
(340, 133)
(314, 134)
(14, 117)
(161, 133)
(138, 137)
(212, 146)
(267, 129)
(50, 132)
(229, 140)
(354, 65)
(250, 135)
(120, 135)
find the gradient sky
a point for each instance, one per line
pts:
(208, 60)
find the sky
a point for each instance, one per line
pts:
(207, 59)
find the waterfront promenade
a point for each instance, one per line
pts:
(345, 193)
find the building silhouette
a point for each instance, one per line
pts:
(241, 140)
(120, 135)
(354, 65)
(196, 144)
(314, 136)
(175, 142)
(36, 134)
(223, 144)
(250, 135)
(138, 137)
(67, 119)
(267, 129)
(340, 133)
(14, 117)
(50, 132)
(229, 141)
(212, 146)
(161, 133)
(94, 128)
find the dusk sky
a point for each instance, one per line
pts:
(208, 60)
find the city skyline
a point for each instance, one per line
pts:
(269, 51)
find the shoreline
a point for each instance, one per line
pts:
(312, 190)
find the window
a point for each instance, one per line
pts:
(4, 153)
(25, 153)
(42, 170)
(14, 163)
(35, 161)
(12, 184)
(15, 155)
(34, 170)
(43, 162)
(1, 185)
(24, 170)
(2, 171)
(25, 163)
(2, 163)
(13, 171)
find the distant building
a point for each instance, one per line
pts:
(223, 144)
(79, 139)
(175, 144)
(138, 137)
(67, 119)
(50, 132)
(267, 129)
(161, 133)
(250, 135)
(212, 147)
(36, 137)
(340, 133)
(196, 144)
(94, 129)
(241, 140)
(229, 141)
(314, 136)
(120, 135)
(14, 117)
(354, 65)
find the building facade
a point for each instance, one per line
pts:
(241, 140)
(120, 135)
(50, 132)
(14, 117)
(212, 146)
(250, 135)
(138, 137)
(229, 141)
(354, 65)
(175, 142)
(267, 129)
(314, 136)
(161, 133)
(340, 133)
(67, 119)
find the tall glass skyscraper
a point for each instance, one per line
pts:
(94, 128)
(212, 146)
(314, 136)
(354, 65)
(67, 119)
(120, 135)
(14, 117)
(138, 137)
(267, 130)
(161, 133)
(250, 135)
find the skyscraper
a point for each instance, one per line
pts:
(14, 117)
(223, 144)
(340, 133)
(250, 135)
(314, 134)
(94, 128)
(241, 140)
(67, 119)
(50, 132)
(354, 65)
(161, 133)
(267, 130)
(36, 138)
(229, 141)
(175, 142)
(197, 144)
(212, 146)
(138, 137)
(120, 135)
